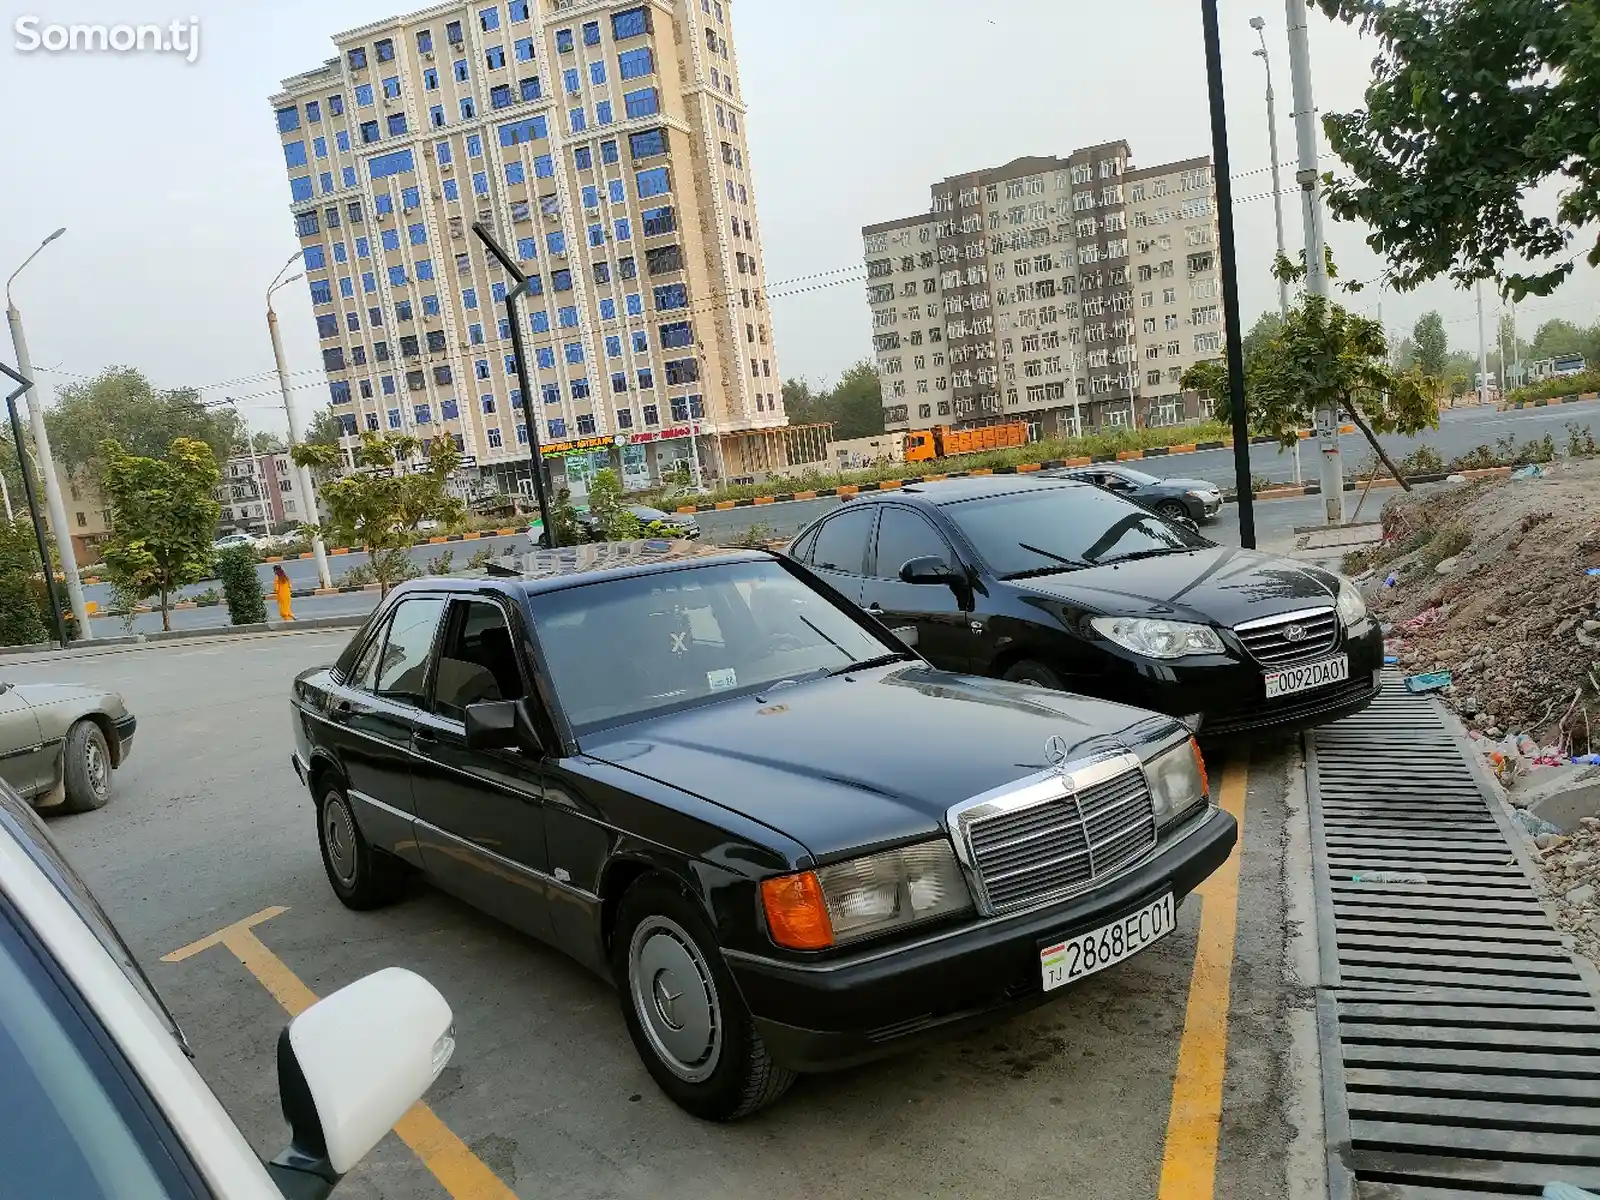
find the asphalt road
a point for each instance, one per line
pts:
(208, 825)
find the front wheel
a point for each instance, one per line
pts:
(683, 1009)
(1035, 674)
(1172, 510)
(86, 768)
(361, 877)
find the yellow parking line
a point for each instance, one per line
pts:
(457, 1168)
(1189, 1164)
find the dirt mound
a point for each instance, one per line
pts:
(1490, 584)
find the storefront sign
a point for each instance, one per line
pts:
(575, 446)
(662, 435)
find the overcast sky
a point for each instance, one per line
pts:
(170, 181)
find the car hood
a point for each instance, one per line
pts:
(44, 695)
(1182, 483)
(877, 757)
(1220, 584)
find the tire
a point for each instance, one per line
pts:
(1035, 674)
(86, 768)
(1172, 510)
(362, 878)
(712, 1063)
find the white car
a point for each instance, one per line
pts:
(237, 538)
(101, 1098)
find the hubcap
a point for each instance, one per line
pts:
(94, 761)
(339, 835)
(675, 998)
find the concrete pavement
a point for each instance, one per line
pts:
(1121, 1089)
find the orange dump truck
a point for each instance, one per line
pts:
(942, 441)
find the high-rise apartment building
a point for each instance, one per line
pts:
(261, 494)
(605, 145)
(1071, 293)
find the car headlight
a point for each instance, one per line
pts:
(1177, 781)
(1352, 608)
(1156, 638)
(1202, 493)
(846, 901)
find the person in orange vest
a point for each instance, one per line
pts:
(280, 588)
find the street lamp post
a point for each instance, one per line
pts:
(1258, 25)
(47, 466)
(307, 484)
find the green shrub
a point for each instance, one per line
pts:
(1447, 543)
(241, 586)
(441, 564)
(1554, 389)
(481, 559)
(1580, 441)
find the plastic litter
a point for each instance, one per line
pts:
(1591, 571)
(1382, 877)
(1389, 660)
(1421, 621)
(1567, 1191)
(1531, 471)
(1455, 478)
(1394, 579)
(1430, 682)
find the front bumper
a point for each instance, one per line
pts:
(826, 1015)
(1230, 696)
(125, 726)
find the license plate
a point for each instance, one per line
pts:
(1306, 676)
(1070, 960)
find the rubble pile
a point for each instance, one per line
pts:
(1570, 864)
(1498, 583)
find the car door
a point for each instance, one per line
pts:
(839, 553)
(943, 626)
(370, 721)
(480, 813)
(24, 762)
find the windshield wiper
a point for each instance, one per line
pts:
(1064, 561)
(1032, 571)
(1137, 554)
(881, 660)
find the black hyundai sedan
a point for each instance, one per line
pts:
(1063, 585)
(791, 842)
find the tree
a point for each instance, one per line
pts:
(266, 442)
(854, 405)
(1433, 347)
(163, 518)
(1558, 337)
(1327, 355)
(380, 505)
(1473, 103)
(1210, 378)
(324, 428)
(1268, 325)
(21, 623)
(120, 405)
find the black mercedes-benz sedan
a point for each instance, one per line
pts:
(791, 842)
(1174, 496)
(1063, 585)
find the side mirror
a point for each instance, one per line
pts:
(926, 570)
(501, 725)
(349, 1067)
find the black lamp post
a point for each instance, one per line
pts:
(511, 269)
(1230, 276)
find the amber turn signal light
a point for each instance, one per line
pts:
(1200, 765)
(796, 914)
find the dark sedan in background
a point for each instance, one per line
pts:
(1176, 496)
(791, 842)
(1064, 585)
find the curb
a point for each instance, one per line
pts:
(447, 537)
(88, 649)
(1519, 405)
(884, 485)
(177, 635)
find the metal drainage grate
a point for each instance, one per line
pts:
(1460, 1043)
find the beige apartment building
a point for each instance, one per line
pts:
(1070, 293)
(261, 494)
(606, 146)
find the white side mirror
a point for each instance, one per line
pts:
(350, 1066)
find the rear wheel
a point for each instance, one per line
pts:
(86, 768)
(1172, 510)
(1035, 674)
(683, 1009)
(361, 877)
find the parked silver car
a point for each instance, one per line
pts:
(60, 742)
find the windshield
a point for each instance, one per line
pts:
(1138, 477)
(627, 648)
(1059, 529)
